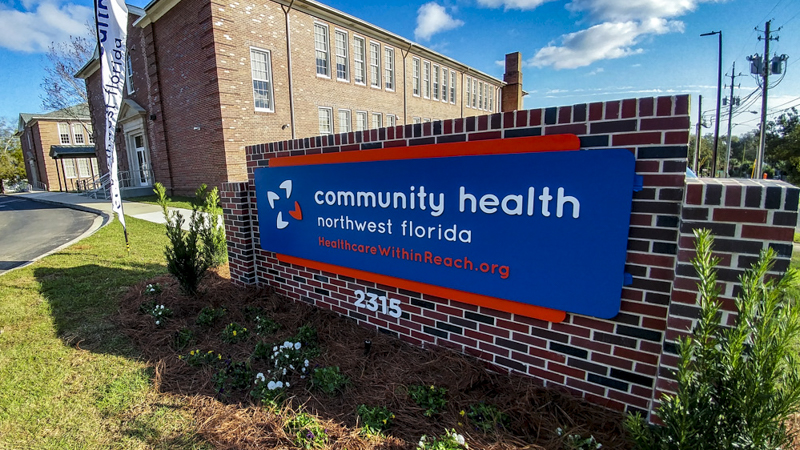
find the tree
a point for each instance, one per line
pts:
(64, 59)
(783, 145)
(706, 150)
(12, 163)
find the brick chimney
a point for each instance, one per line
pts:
(512, 91)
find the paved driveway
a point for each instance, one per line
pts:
(29, 230)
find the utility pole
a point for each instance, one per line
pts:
(719, 100)
(697, 135)
(731, 103)
(764, 89)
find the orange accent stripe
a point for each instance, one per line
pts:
(554, 143)
(523, 309)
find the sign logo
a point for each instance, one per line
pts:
(504, 224)
(296, 213)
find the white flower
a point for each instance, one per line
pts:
(271, 385)
(284, 371)
(287, 344)
(279, 384)
(290, 366)
(158, 322)
(459, 439)
(599, 445)
(302, 376)
(305, 363)
(260, 376)
(162, 306)
(297, 346)
(287, 385)
(559, 431)
(275, 349)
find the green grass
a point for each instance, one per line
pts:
(68, 378)
(176, 201)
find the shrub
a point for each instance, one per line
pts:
(329, 380)
(234, 333)
(183, 338)
(487, 417)
(374, 420)
(209, 315)
(737, 385)
(431, 398)
(268, 392)
(306, 431)
(212, 231)
(185, 260)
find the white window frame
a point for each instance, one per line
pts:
(426, 120)
(341, 53)
(480, 95)
(391, 120)
(376, 121)
(445, 76)
(453, 87)
(90, 133)
(426, 79)
(93, 162)
(77, 134)
(70, 171)
(359, 61)
(416, 72)
(436, 78)
(64, 133)
(329, 112)
(84, 171)
(267, 69)
(362, 121)
(129, 74)
(388, 68)
(491, 99)
(375, 65)
(326, 42)
(474, 92)
(345, 122)
(416, 120)
(469, 92)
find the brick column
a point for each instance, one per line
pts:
(235, 199)
(745, 217)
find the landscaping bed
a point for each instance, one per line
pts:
(212, 363)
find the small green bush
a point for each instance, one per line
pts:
(268, 392)
(450, 441)
(209, 315)
(431, 398)
(487, 418)
(374, 420)
(197, 358)
(183, 338)
(737, 385)
(212, 231)
(329, 380)
(306, 431)
(232, 375)
(159, 312)
(233, 333)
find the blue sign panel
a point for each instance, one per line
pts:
(547, 229)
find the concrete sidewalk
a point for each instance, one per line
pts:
(143, 211)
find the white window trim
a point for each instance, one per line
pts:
(377, 83)
(468, 92)
(474, 92)
(72, 166)
(327, 52)
(445, 83)
(391, 118)
(363, 59)
(386, 68)
(364, 114)
(426, 83)
(61, 135)
(436, 80)
(129, 74)
(453, 87)
(348, 121)
(416, 79)
(330, 116)
(79, 128)
(346, 54)
(372, 117)
(269, 81)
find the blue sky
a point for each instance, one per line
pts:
(575, 51)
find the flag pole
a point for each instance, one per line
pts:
(111, 22)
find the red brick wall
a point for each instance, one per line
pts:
(612, 362)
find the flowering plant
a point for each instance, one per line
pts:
(308, 433)
(576, 442)
(198, 358)
(431, 398)
(269, 392)
(152, 289)
(234, 333)
(375, 419)
(450, 441)
(159, 312)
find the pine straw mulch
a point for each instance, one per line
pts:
(379, 378)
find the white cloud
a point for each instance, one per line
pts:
(595, 72)
(433, 18)
(625, 10)
(41, 24)
(609, 40)
(512, 4)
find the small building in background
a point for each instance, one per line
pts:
(59, 149)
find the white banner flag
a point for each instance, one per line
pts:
(111, 20)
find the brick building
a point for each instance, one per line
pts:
(208, 79)
(59, 149)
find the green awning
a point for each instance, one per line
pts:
(72, 151)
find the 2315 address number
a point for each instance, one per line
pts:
(374, 302)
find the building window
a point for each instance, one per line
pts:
(83, 168)
(391, 120)
(426, 79)
(361, 120)
(491, 99)
(388, 68)
(344, 121)
(436, 82)
(95, 171)
(416, 120)
(90, 132)
(469, 92)
(342, 71)
(416, 77)
(377, 121)
(480, 95)
(453, 87)
(445, 75)
(375, 64)
(77, 134)
(325, 121)
(474, 93)
(63, 133)
(262, 80)
(321, 49)
(359, 49)
(129, 74)
(426, 120)
(69, 168)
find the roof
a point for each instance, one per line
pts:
(72, 151)
(77, 112)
